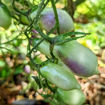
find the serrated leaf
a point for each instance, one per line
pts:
(62, 37)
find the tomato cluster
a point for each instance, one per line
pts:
(73, 58)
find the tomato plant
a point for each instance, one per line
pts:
(48, 35)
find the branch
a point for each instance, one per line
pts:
(56, 15)
(70, 7)
(78, 2)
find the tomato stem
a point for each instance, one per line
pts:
(56, 15)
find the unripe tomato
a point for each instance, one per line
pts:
(60, 76)
(5, 17)
(47, 20)
(71, 97)
(81, 60)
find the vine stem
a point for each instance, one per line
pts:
(35, 46)
(35, 20)
(40, 9)
(41, 41)
(56, 15)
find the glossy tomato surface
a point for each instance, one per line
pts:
(81, 60)
(60, 76)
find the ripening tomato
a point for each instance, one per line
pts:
(5, 17)
(60, 76)
(47, 20)
(81, 60)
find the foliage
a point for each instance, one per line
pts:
(92, 12)
(92, 8)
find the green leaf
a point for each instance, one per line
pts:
(19, 70)
(2, 63)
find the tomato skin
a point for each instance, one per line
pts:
(60, 76)
(47, 20)
(5, 18)
(79, 59)
(71, 97)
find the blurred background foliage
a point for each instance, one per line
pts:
(91, 14)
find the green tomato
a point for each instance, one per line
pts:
(60, 76)
(72, 97)
(5, 18)
(47, 20)
(79, 59)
